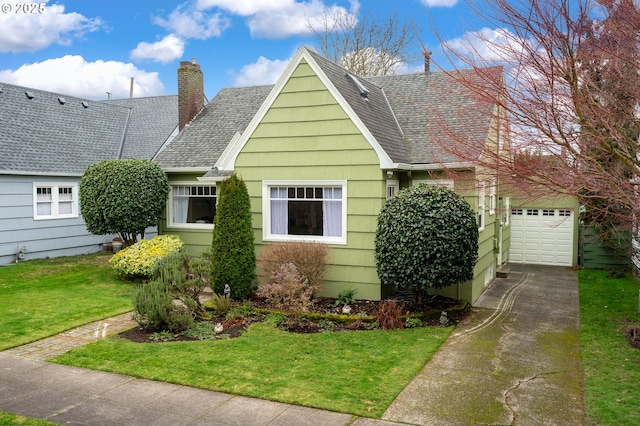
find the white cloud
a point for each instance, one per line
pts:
(263, 71)
(72, 75)
(191, 23)
(487, 46)
(31, 32)
(166, 50)
(246, 7)
(275, 19)
(440, 3)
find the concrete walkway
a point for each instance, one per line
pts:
(515, 361)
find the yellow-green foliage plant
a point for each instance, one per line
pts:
(141, 259)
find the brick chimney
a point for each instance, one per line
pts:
(190, 92)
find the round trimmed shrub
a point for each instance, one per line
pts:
(123, 197)
(427, 237)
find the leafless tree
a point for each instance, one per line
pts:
(367, 45)
(571, 96)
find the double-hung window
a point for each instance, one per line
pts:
(192, 205)
(305, 211)
(482, 188)
(55, 200)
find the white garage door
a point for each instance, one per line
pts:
(542, 236)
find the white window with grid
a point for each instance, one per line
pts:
(305, 211)
(191, 205)
(55, 200)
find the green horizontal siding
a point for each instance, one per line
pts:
(306, 135)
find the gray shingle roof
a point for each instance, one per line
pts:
(52, 133)
(152, 121)
(410, 116)
(434, 111)
(373, 110)
(201, 142)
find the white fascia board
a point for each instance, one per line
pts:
(434, 166)
(31, 173)
(230, 152)
(212, 179)
(226, 161)
(186, 169)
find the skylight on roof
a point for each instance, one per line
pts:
(85, 104)
(29, 94)
(62, 100)
(363, 91)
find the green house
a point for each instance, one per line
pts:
(322, 150)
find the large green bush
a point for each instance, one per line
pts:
(123, 196)
(141, 259)
(427, 237)
(232, 246)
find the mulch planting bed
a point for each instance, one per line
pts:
(322, 316)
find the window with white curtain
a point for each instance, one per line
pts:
(314, 211)
(192, 205)
(55, 200)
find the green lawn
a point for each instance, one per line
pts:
(14, 419)
(44, 297)
(611, 365)
(354, 372)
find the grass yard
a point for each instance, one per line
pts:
(611, 365)
(44, 297)
(14, 419)
(358, 372)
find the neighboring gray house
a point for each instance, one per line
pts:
(46, 142)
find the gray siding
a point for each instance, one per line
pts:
(41, 238)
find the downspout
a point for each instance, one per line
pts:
(124, 135)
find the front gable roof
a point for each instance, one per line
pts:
(48, 133)
(407, 119)
(371, 114)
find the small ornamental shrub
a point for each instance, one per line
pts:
(232, 246)
(427, 237)
(310, 260)
(220, 304)
(288, 289)
(346, 297)
(186, 275)
(142, 258)
(413, 323)
(152, 304)
(388, 315)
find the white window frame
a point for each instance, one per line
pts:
(170, 211)
(492, 197)
(443, 183)
(267, 235)
(55, 200)
(482, 188)
(507, 211)
(393, 186)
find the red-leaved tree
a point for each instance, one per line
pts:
(571, 97)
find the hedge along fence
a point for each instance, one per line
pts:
(141, 259)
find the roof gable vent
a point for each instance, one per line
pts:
(363, 91)
(85, 104)
(62, 100)
(29, 94)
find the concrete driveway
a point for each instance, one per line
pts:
(515, 361)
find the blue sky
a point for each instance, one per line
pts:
(87, 48)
